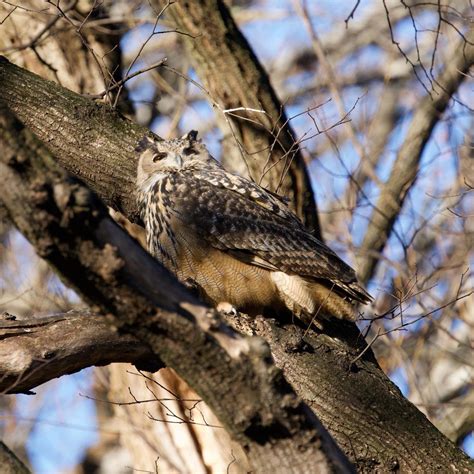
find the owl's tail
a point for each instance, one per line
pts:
(314, 300)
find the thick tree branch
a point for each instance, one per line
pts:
(89, 139)
(363, 410)
(10, 463)
(326, 362)
(36, 350)
(71, 229)
(405, 169)
(62, 344)
(235, 79)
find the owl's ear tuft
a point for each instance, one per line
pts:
(192, 135)
(143, 144)
(147, 142)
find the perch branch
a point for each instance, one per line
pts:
(36, 350)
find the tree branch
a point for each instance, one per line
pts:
(36, 350)
(71, 229)
(90, 140)
(405, 169)
(10, 463)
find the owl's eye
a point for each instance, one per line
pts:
(159, 156)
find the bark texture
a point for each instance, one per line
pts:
(362, 409)
(233, 77)
(36, 350)
(10, 463)
(325, 363)
(89, 139)
(71, 229)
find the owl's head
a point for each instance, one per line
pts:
(158, 157)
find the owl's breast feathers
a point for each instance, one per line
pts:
(242, 244)
(156, 210)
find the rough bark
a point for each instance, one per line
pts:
(10, 463)
(83, 54)
(392, 433)
(327, 362)
(89, 139)
(405, 169)
(36, 350)
(234, 78)
(105, 173)
(71, 229)
(365, 412)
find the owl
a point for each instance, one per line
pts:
(233, 240)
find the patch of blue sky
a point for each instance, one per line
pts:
(65, 419)
(325, 111)
(24, 255)
(297, 82)
(338, 165)
(213, 140)
(468, 444)
(330, 170)
(197, 118)
(26, 258)
(367, 57)
(456, 326)
(466, 94)
(143, 93)
(137, 36)
(426, 26)
(404, 33)
(160, 126)
(195, 86)
(278, 33)
(399, 378)
(56, 287)
(18, 273)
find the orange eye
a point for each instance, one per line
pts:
(159, 156)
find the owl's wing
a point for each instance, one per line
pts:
(216, 176)
(237, 216)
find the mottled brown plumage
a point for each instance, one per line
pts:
(235, 241)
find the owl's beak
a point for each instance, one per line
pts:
(179, 160)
